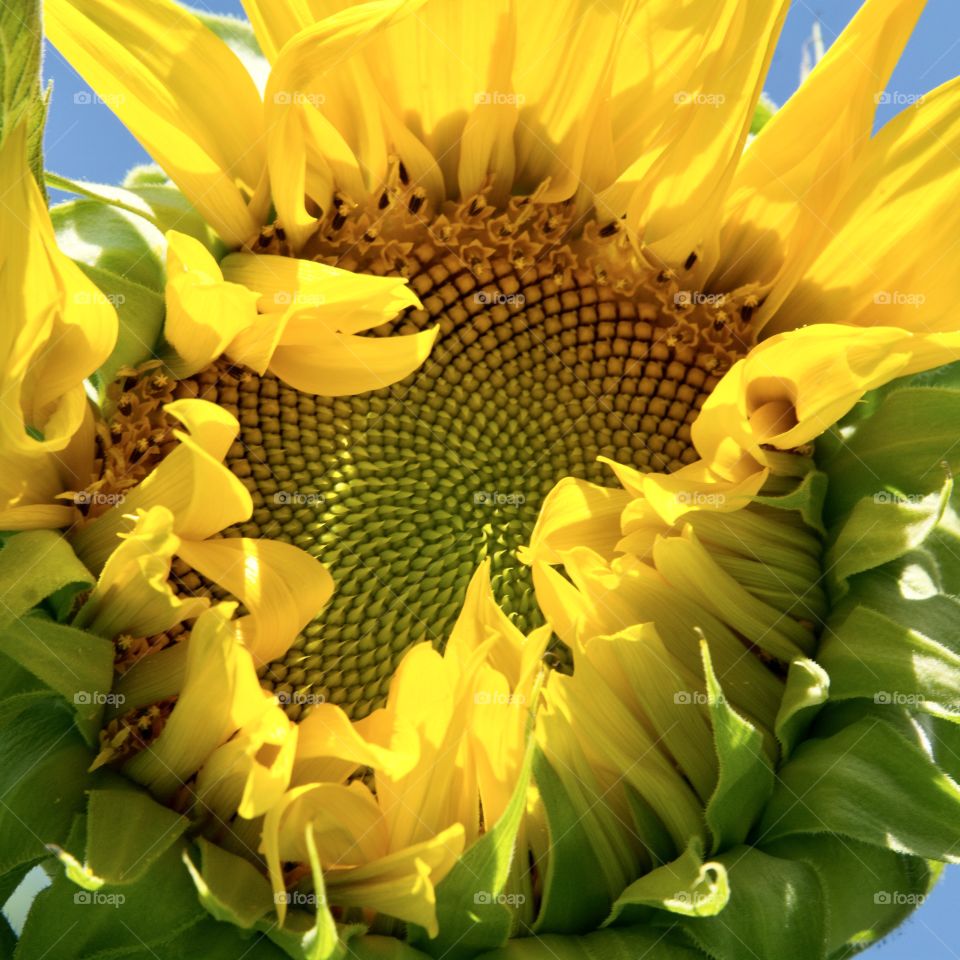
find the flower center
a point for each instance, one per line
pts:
(546, 360)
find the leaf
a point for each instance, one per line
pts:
(870, 655)
(127, 832)
(745, 780)
(33, 566)
(881, 529)
(43, 775)
(776, 907)
(870, 890)
(67, 922)
(629, 943)
(469, 911)
(149, 196)
(870, 783)
(908, 444)
(76, 665)
(20, 45)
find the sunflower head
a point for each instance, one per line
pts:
(505, 518)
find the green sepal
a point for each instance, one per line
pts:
(807, 690)
(745, 780)
(868, 890)
(776, 907)
(67, 922)
(34, 566)
(230, 887)
(881, 528)
(909, 442)
(77, 666)
(469, 912)
(568, 905)
(806, 498)
(869, 782)
(688, 886)
(869, 655)
(43, 776)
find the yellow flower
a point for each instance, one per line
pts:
(511, 330)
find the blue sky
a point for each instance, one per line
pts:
(84, 141)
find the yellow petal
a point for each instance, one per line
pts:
(58, 327)
(888, 261)
(221, 694)
(249, 773)
(685, 175)
(133, 594)
(316, 294)
(205, 314)
(331, 125)
(576, 513)
(401, 884)
(192, 482)
(181, 91)
(339, 365)
(281, 586)
(789, 183)
(276, 21)
(794, 386)
(327, 732)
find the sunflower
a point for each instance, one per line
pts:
(468, 501)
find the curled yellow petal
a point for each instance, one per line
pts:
(220, 694)
(281, 586)
(133, 594)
